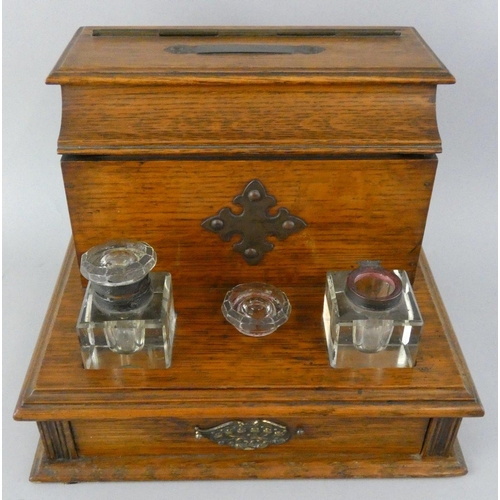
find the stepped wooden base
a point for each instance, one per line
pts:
(136, 425)
(241, 466)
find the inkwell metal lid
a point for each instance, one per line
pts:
(373, 287)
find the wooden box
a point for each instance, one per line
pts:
(161, 129)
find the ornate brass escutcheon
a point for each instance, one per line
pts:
(254, 224)
(251, 435)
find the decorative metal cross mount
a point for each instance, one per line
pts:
(254, 224)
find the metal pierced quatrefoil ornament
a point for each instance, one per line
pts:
(254, 224)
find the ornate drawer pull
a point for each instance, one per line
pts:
(251, 435)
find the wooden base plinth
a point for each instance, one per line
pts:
(242, 466)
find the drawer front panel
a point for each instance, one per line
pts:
(355, 209)
(171, 436)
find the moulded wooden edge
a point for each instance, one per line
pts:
(428, 148)
(432, 77)
(47, 325)
(243, 465)
(449, 331)
(436, 75)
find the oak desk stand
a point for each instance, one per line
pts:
(161, 129)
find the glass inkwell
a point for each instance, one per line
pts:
(371, 318)
(256, 309)
(127, 319)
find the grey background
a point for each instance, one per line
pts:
(460, 241)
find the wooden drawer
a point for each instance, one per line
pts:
(309, 434)
(355, 209)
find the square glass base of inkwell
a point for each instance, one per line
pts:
(371, 318)
(129, 324)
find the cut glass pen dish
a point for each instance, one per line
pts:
(256, 309)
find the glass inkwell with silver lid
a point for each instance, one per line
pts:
(127, 319)
(371, 318)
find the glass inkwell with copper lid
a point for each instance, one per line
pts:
(127, 319)
(371, 318)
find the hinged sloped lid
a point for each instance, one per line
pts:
(163, 55)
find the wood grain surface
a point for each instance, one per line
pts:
(441, 435)
(218, 370)
(58, 439)
(243, 119)
(240, 466)
(355, 208)
(176, 436)
(365, 91)
(125, 55)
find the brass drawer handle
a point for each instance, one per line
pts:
(252, 435)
